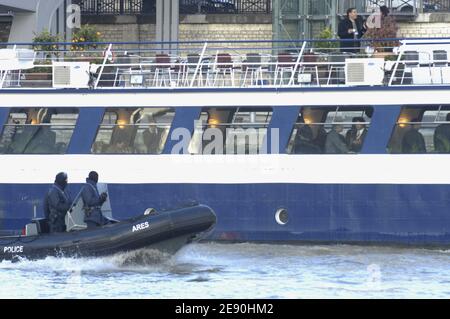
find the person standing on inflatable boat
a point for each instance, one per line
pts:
(93, 202)
(56, 204)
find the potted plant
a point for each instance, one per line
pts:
(46, 45)
(84, 39)
(326, 46)
(326, 50)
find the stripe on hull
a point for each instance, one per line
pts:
(231, 169)
(414, 95)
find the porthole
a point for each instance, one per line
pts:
(282, 216)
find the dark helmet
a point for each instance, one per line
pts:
(61, 180)
(93, 176)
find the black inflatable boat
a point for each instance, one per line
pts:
(166, 231)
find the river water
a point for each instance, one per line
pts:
(214, 270)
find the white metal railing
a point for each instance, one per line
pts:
(252, 64)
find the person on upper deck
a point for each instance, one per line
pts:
(351, 28)
(413, 141)
(93, 202)
(56, 204)
(386, 29)
(442, 137)
(335, 143)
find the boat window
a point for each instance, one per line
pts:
(231, 131)
(421, 130)
(133, 131)
(38, 131)
(330, 130)
(195, 145)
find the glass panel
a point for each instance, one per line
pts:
(230, 131)
(421, 130)
(133, 131)
(245, 135)
(340, 130)
(195, 146)
(38, 131)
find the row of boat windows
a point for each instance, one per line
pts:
(318, 130)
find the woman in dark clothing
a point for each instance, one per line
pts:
(387, 29)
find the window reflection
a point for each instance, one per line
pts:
(421, 130)
(237, 130)
(337, 130)
(133, 131)
(38, 131)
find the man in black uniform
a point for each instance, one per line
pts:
(56, 204)
(93, 202)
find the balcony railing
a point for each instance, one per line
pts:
(138, 7)
(436, 6)
(112, 7)
(225, 6)
(397, 7)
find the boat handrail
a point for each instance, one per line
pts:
(231, 64)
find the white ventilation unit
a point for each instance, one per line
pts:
(364, 71)
(70, 74)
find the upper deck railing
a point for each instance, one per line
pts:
(233, 64)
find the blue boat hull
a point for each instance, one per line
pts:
(332, 213)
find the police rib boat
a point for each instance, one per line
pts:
(166, 231)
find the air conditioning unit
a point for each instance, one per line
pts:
(364, 71)
(70, 75)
